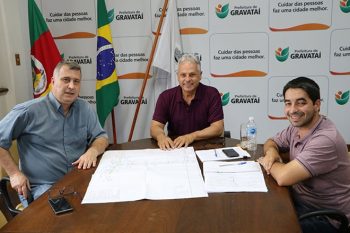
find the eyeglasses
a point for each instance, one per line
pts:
(56, 192)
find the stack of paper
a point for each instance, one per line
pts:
(243, 176)
(128, 175)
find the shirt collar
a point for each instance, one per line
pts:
(311, 130)
(57, 105)
(54, 101)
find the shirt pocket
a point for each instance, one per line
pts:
(77, 138)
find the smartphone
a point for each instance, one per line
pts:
(60, 205)
(230, 152)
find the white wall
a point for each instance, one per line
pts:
(14, 39)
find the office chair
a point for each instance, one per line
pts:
(8, 199)
(227, 134)
(333, 214)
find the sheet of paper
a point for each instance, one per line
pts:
(240, 176)
(217, 154)
(129, 175)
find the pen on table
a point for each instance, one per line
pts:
(232, 164)
(216, 155)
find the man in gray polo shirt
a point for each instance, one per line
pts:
(54, 133)
(319, 167)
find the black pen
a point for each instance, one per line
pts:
(216, 155)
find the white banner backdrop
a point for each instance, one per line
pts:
(249, 51)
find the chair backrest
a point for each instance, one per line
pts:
(8, 199)
(8, 196)
(227, 134)
(333, 214)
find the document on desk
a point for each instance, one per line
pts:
(217, 154)
(240, 176)
(129, 175)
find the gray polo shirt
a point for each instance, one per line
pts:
(48, 141)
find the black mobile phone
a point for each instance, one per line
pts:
(60, 205)
(230, 152)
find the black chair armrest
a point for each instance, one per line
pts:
(227, 134)
(333, 214)
(10, 210)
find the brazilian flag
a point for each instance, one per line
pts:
(107, 86)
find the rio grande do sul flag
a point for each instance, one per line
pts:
(44, 52)
(107, 86)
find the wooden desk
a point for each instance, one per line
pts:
(221, 212)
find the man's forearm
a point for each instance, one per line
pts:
(214, 130)
(271, 150)
(99, 145)
(289, 173)
(157, 130)
(279, 174)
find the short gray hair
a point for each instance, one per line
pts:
(187, 57)
(72, 65)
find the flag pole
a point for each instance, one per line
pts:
(165, 5)
(114, 129)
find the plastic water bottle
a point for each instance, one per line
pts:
(251, 134)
